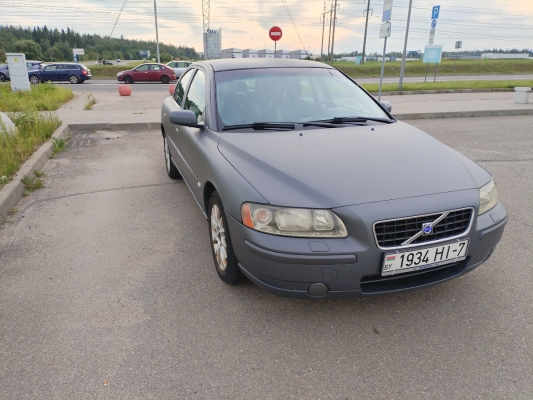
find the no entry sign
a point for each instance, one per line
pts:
(275, 33)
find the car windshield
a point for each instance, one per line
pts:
(290, 95)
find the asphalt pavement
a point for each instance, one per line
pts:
(103, 85)
(109, 290)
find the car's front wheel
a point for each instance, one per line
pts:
(225, 261)
(34, 80)
(165, 79)
(2, 78)
(73, 79)
(128, 80)
(172, 171)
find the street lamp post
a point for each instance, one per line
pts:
(156, 32)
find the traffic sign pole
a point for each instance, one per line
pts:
(402, 68)
(382, 68)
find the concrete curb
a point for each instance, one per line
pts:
(463, 114)
(126, 126)
(11, 193)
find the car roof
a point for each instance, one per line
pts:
(227, 64)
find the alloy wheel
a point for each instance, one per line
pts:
(218, 237)
(167, 155)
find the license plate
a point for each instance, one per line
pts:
(397, 263)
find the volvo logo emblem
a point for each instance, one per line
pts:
(427, 229)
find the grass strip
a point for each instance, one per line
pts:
(477, 84)
(446, 67)
(43, 97)
(32, 130)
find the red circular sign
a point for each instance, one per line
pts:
(275, 33)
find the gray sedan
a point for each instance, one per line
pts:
(312, 189)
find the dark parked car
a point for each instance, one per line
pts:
(312, 189)
(30, 65)
(147, 73)
(70, 72)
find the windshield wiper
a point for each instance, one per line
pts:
(259, 126)
(342, 120)
(321, 124)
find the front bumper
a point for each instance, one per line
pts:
(351, 266)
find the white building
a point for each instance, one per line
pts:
(249, 53)
(265, 53)
(213, 44)
(494, 56)
(232, 53)
(298, 54)
(283, 54)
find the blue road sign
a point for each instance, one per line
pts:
(433, 24)
(435, 12)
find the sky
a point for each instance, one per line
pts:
(480, 24)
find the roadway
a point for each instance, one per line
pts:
(108, 290)
(108, 85)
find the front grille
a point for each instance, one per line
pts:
(393, 233)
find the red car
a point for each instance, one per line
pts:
(147, 73)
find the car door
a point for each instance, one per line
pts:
(187, 137)
(141, 73)
(62, 72)
(49, 73)
(182, 140)
(155, 72)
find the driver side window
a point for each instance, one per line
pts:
(179, 92)
(143, 68)
(196, 96)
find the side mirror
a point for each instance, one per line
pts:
(386, 105)
(184, 118)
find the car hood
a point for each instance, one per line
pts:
(327, 168)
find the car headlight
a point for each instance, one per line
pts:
(120, 73)
(299, 222)
(488, 197)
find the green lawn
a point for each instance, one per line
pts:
(33, 129)
(45, 97)
(418, 68)
(478, 84)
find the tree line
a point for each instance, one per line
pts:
(43, 43)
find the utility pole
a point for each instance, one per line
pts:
(405, 46)
(323, 24)
(366, 27)
(156, 33)
(330, 22)
(333, 36)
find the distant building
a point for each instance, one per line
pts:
(298, 54)
(283, 54)
(493, 56)
(265, 53)
(249, 53)
(213, 44)
(232, 53)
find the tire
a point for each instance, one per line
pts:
(223, 255)
(128, 80)
(73, 79)
(34, 79)
(2, 78)
(172, 171)
(165, 79)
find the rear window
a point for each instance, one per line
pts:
(83, 67)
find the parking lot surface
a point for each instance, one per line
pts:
(108, 290)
